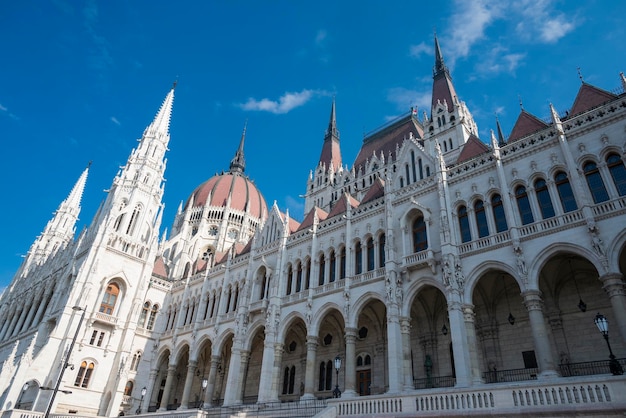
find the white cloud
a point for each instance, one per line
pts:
(420, 49)
(406, 98)
(540, 21)
(2, 108)
(115, 121)
(499, 60)
(320, 37)
(5, 111)
(284, 104)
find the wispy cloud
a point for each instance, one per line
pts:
(115, 121)
(407, 98)
(540, 21)
(5, 111)
(100, 58)
(499, 60)
(283, 104)
(321, 41)
(416, 51)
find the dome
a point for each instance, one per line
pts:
(233, 186)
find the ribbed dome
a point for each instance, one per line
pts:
(233, 186)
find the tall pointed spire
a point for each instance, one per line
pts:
(501, 140)
(331, 152)
(238, 163)
(443, 89)
(161, 123)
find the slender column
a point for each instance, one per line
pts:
(18, 326)
(405, 329)
(245, 359)
(210, 387)
(350, 362)
(191, 372)
(613, 285)
(31, 313)
(395, 353)
(309, 374)
(7, 322)
(42, 307)
(472, 343)
(232, 396)
(169, 380)
(458, 336)
(545, 358)
(145, 405)
(16, 317)
(278, 359)
(267, 369)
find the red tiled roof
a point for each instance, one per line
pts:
(160, 269)
(443, 89)
(377, 190)
(293, 224)
(309, 218)
(386, 139)
(242, 192)
(342, 204)
(472, 148)
(526, 124)
(589, 97)
(331, 154)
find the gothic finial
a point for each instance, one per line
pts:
(238, 163)
(580, 75)
(174, 83)
(521, 104)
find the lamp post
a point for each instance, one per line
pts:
(143, 393)
(66, 361)
(205, 383)
(336, 391)
(603, 326)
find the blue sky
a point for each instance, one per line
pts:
(80, 80)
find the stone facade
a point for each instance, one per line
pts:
(436, 260)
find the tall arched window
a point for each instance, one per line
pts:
(152, 317)
(133, 220)
(370, 254)
(381, 250)
(498, 213)
(322, 271)
(595, 182)
(565, 192)
(292, 379)
(307, 274)
(144, 314)
(342, 263)
(464, 227)
(263, 286)
(285, 380)
(322, 379)
(128, 389)
(299, 278)
(481, 219)
(618, 172)
(110, 298)
(236, 297)
(228, 298)
(289, 278)
(358, 258)
(84, 374)
(420, 238)
(523, 205)
(332, 266)
(543, 197)
(329, 375)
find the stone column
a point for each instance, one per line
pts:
(350, 364)
(191, 372)
(267, 369)
(309, 374)
(543, 351)
(232, 395)
(458, 336)
(245, 359)
(210, 387)
(278, 359)
(169, 380)
(16, 317)
(613, 285)
(472, 343)
(31, 312)
(395, 353)
(145, 405)
(405, 329)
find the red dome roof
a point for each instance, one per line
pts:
(244, 195)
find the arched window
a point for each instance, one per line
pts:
(152, 317)
(236, 298)
(134, 364)
(523, 205)
(289, 278)
(618, 172)
(144, 314)
(229, 298)
(299, 278)
(543, 197)
(110, 297)
(128, 389)
(263, 286)
(358, 258)
(84, 374)
(285, 380)
(307, 274)
(322, 270)
(329, 375)
(133, 220)
(565, 192)
(322, 379)
(292, 379)
(595, 182)
(420, 238)
(332, 266)
(498, 213)
(342, 263)
(481, 219)
(464, 227)
(381, 250)
(370, 254)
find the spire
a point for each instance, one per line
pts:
(623, 79)
(556, 119)
(238, 163)
(443, 89)
(161, 123)
(331, 152)
(501, 140)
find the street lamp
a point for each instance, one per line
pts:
(205, 383)
(603, 326)
(143, 393)
(66, 362)
(336, 391)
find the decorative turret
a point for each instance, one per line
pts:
(331, 152)
(238, 163)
